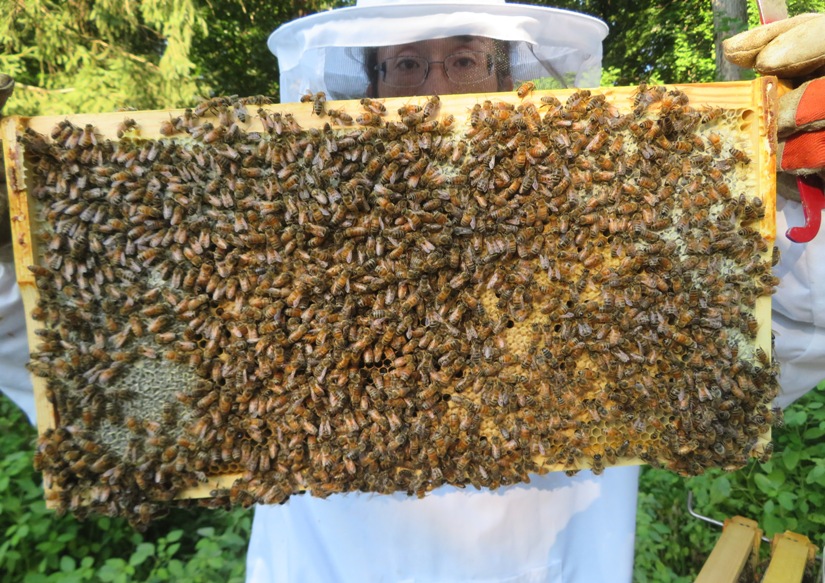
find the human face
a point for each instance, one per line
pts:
(437, 82)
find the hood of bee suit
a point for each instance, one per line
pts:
(327, 51)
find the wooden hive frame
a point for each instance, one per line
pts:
(735, 556)
(750, 112)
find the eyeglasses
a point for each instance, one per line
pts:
(461, 67)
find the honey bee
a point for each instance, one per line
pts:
(447, 123)
(73, 138)
(598, 142)
(598, 464)
(432, 105)
(740, 156)
(369, 118)
(210, 134)
(318, 99)
(62, 131)
(709, 114)
(339, 116)
(126, 126)
(645, 95)
(525, 89)
(373, 106)
(550, 101)
(427, 126)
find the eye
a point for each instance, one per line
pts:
(407, 64)
(465, 61)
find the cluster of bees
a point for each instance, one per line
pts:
(395, 302)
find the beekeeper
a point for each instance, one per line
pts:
(556, 528)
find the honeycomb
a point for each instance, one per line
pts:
(391, 302)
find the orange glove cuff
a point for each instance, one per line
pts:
(812, 104)
(803, 153)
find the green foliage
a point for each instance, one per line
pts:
(231, 53)
(668, 545)
(785, 493)
(89, 56)
(656, 42)
(800, 6)
(37, 546)
(103, 55)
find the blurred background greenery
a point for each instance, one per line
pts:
(101, 55)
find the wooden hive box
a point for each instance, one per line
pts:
(246, 300)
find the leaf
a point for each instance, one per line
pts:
(787, 500)
(21, 532)
(790, 457)
(813, 433)
(112, 570)
(763, 483)
(175, 568)
(772, 524)
(142, 552)
(720, 490)
(67, 564)
(816, 475)
(795, 418)
(816, 518)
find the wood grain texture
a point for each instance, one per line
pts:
(736, 549)
(791, 553)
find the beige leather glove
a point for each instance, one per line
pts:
(792, 49)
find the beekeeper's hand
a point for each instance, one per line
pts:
(792, 49)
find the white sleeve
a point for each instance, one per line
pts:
(15, 381)
(798, 306)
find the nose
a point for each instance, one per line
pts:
(437, 82)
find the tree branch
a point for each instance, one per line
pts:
(37, 89)
(126, 54)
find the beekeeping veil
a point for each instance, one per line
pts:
(328, 51)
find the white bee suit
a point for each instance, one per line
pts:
(15, 381)
(798, 317)
(553, 529)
